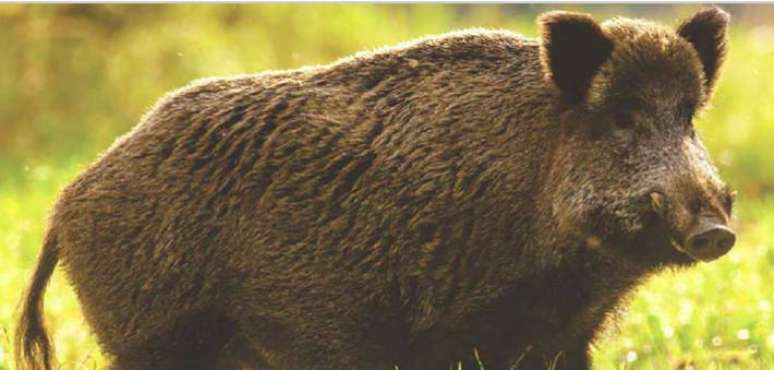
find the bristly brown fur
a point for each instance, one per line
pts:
(474, 190)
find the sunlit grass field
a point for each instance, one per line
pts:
(60, 115)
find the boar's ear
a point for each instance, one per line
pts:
(573, 48)
(707, 32)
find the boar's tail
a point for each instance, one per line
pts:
(33, 348)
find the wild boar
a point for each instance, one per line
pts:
(474, 196)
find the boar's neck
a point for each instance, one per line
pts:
(460, 161)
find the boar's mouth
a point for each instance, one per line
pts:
(659, 246)
(653, 244)
(679, 247)
(655, 240)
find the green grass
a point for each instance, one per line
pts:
(75, 78)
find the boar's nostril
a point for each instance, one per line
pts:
(699, 242)
(710, 242)
(726, 240)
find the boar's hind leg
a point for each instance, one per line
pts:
(200, 342)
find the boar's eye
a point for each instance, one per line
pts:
(623, 127)
(625, 116)
(624, 120)
(728, 199)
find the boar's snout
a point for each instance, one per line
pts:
(709, 240)
(704, 237)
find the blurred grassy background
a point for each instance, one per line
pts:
(73, 77)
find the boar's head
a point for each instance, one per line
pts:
(629, 174)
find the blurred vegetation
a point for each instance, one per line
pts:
(76, 76)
